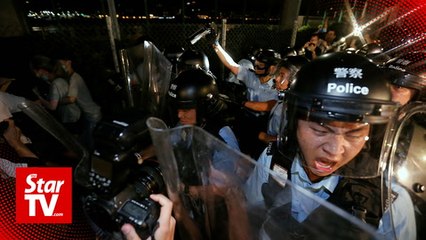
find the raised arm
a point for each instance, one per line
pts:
(226, 59)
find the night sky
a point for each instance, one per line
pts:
(171, 7)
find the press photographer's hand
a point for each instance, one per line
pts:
(166, 222)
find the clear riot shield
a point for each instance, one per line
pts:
(407, 169)
(46, 121)
(147, 74)
(209, 185)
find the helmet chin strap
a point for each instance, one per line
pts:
(266, 73)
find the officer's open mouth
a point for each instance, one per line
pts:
(323, 164)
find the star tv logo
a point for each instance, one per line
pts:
(44, 195)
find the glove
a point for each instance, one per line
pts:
(212, 37)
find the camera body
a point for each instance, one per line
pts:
(120, 187)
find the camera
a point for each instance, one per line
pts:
(119, 186)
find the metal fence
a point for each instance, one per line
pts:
(89, 40)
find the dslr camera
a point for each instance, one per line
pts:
(119, 186)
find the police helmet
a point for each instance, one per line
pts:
(409, 71)
(195, 88)
(173, 52)
(289, 51)
(267, 56)
(254, 52)
(193, 59)
(373, 51)
(340, 87)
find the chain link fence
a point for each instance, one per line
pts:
(89, 41)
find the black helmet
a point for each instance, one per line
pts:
(297, 61)
(338, 87)
(409, 71)
(195, 88)
(173, 52)
(374, 52)
(267, 56)
(289, 51)
(193, 59)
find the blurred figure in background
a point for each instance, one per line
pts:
(49, 71)
(407, 77)
(14, 150)
(78, 93)
(311, 50)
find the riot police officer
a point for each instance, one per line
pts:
(285, 74)
(260, 88)
(338, 111)
(194, 100)
(407, 77)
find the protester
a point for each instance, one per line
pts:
(47, 69)
(79, 93)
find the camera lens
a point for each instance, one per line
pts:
(150, 180)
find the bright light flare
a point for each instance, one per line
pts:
(402, 174)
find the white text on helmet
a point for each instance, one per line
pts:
(171, 94)
(347, 88)
(403, 62)
(348, 72)
(397, 68)
(173, 86)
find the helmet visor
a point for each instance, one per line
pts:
(350, 142)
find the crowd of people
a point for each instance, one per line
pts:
(313, 116)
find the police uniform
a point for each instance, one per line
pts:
(257, 91)
(301, 206)
(275, 118)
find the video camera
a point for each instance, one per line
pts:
(120, 187)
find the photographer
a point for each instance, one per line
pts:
(166, 222)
